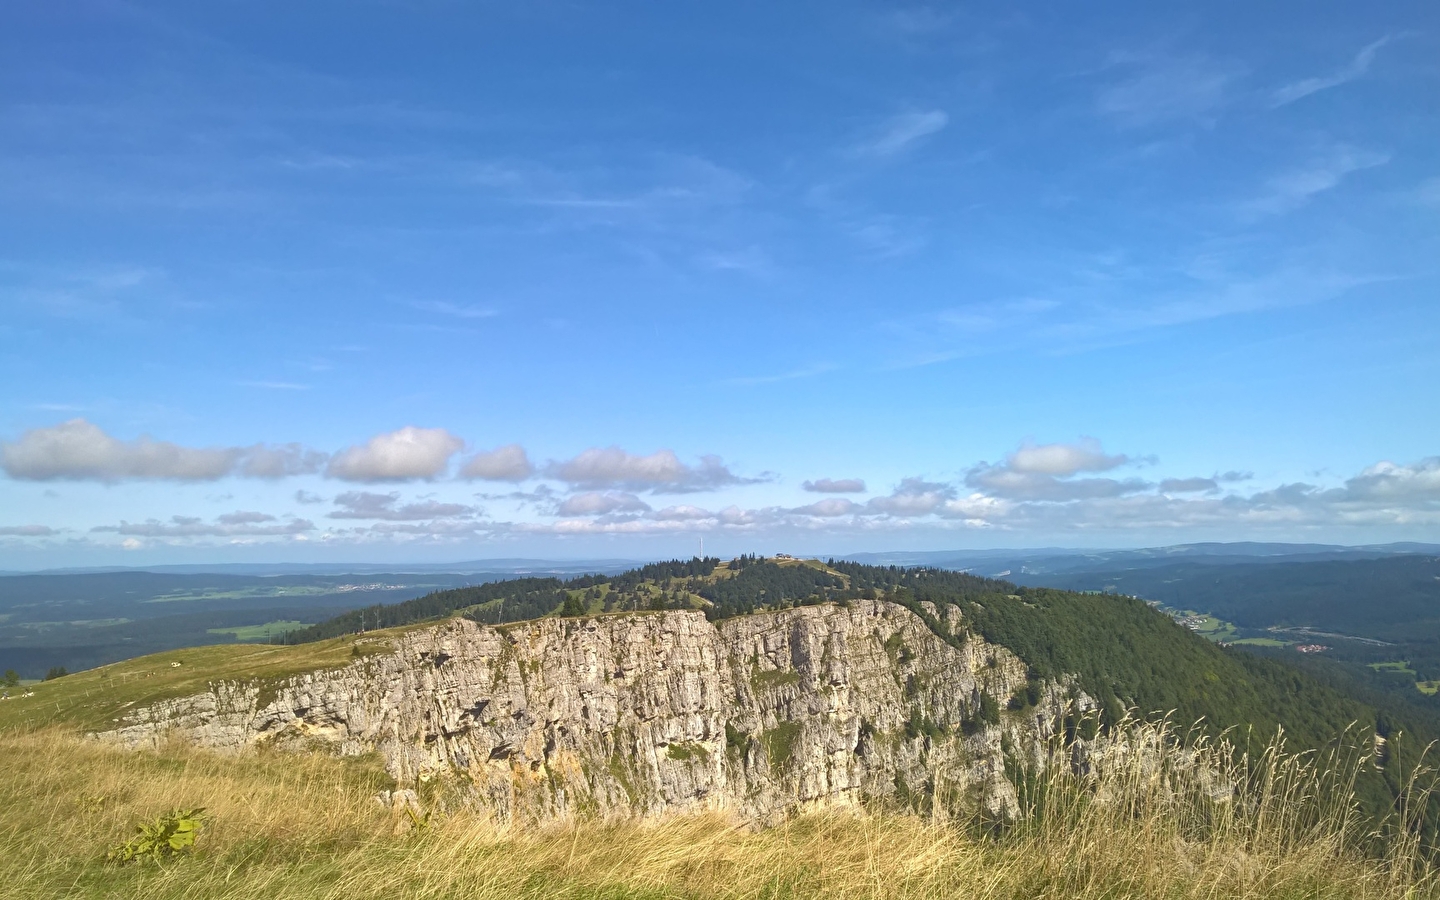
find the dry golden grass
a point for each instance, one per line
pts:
(296, 826)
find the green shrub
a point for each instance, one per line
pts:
(684, 751)
(172, 833)
(989, 709)
(1027, 696)
(780, 743)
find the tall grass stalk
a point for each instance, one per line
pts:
(1147, 816)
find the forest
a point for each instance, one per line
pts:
(1377, 620)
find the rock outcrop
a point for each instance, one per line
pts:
(653, 713)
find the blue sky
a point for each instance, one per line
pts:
(434, 281)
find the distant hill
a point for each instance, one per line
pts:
(1377, 619)
(503, 566)
(81, 620)
(1055, 560)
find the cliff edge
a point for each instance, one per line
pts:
(657, 712)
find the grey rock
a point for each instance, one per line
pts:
(656, 713)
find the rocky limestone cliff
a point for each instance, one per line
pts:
(654, 713)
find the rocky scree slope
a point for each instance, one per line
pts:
(660, 712)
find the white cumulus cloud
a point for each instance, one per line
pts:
(194, 526)
(507, 463)
(27, 531)
(1085, 455)
(408, 454)
(682, 513)
(1044, 472)
(834, 506)
(598, 503)
(835, 486)
(365, 505)
(81, 450)
(280, 461)
(244, 517)
(913, 497)
(659, 472)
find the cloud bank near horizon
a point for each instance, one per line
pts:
(1061, 488)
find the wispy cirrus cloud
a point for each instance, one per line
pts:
(791, 375)
(1157, 88)
(456, 310)
(1291, 190)
(901, 132)
(1128, 310)
(275, 385)
(1428, 193)
(1356, 68)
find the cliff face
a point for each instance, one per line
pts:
(653, 713)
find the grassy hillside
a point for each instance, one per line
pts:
(95, 698)
(284, 827)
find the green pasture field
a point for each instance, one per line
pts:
(1216, 629)
(78, 623)
(1399, 667)
(260, 632)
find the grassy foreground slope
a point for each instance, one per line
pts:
(284, 827)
